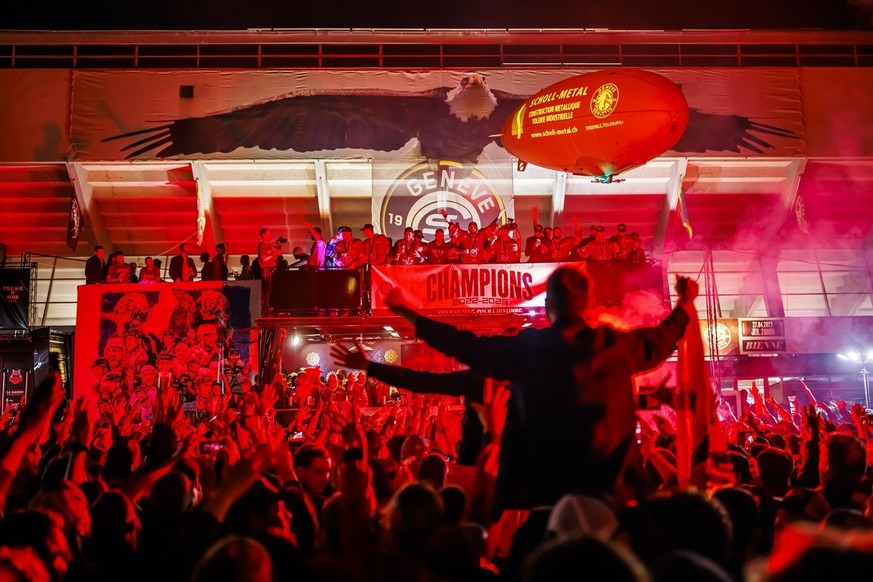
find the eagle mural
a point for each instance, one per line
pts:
(449, 123)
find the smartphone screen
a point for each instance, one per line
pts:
(210, 447)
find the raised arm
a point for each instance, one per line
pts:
(492, 356)
(464, 383)
(649, 346)
(32, 429)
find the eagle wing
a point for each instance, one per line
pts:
(366, 119)
(715, 132)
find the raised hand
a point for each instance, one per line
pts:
(492, 410)
(269, 396)
(173, 407)
(36, 416)
(82, 427)
(353, 357)
(858, 413)
(395, 299)
(811, 423)
(352, 430)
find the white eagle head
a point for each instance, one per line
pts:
(471, 98)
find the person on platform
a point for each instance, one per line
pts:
(438, 249)
(600, 250)
(205, 267)
(182, 267)
(133, 277)
(571, 389)
(119, 270)
(560, 245)
(318, 249)
(95, 266)
(218, 264)
(475, 251)
(536, 247)
(504, 249)
(375, 247)
(245, 268)
(636, 254)
(404, 249)
(301, 259)
(459, 239)
(343, 250)
(622, 241)
(577, 252)
(150, 273)
(268, 253)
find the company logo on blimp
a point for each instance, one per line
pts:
(604, 100)
(416, 197)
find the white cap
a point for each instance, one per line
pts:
(575, 515)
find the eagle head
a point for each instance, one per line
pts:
(471, 98)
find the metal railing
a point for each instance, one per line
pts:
(434, 49)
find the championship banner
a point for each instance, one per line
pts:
(184, 333)
(386, 115)
(465, 289)
(14, 299)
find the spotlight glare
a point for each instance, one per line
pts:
(843, 357)
(296, 340)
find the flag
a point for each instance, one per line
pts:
(74, 225)
(682, 208)
(698, 431)
(800, 214)
(201, 216)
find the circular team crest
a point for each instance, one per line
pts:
(416, 197)
(722, 336)
(604, 100)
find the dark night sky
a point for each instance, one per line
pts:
(613, 14)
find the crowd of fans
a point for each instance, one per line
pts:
(183, 464)
(337, 476)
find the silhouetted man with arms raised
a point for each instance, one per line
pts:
(571, 421)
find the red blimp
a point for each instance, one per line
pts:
(598, 124)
